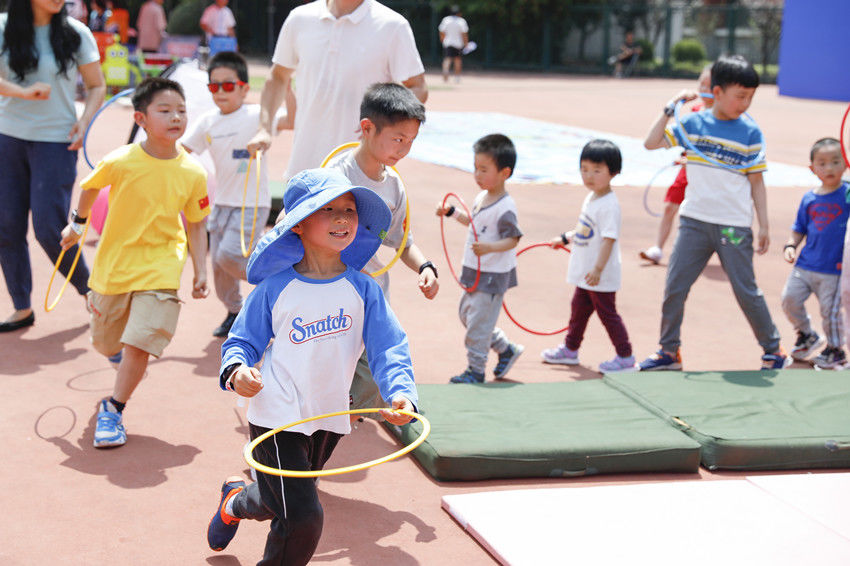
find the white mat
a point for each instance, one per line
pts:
(549, 153)
(689, 522)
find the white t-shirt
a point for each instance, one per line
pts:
(335, 61)
(320, 328)
(226, 136)
(454, 27)
(493, 222)
(599, 218)
(391, 190)
(218, 19)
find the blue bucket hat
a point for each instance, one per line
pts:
(281, 248)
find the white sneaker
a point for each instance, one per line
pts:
(653, 254)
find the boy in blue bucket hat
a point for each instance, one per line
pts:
(321, 311)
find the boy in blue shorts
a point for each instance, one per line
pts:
(494, 215)
(309, 318)
(390, 116)
(822, 221)
(717, 213)
(225, 133)
(136, 272)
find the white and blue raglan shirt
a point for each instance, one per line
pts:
(716, 194)
(320, 328)
(493, 222)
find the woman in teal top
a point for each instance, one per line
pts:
(42, 51)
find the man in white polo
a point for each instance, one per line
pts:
(337, 49)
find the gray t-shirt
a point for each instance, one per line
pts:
(391, 190)
(45, 120)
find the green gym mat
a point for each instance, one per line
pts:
(752, 420)
(510, 430)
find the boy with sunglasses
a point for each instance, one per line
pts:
(225, 134)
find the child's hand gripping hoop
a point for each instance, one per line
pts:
(406, 225)
(649, 186)
(843, 137)
(94, 118)
(505, 305)
(246, 250)
(691, 147)
(446, 249)
(48, 306)
(249, 449)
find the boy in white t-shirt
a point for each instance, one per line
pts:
(454, 35)
(309, 318)
(225, 133)
(595, 261)
(494, 215)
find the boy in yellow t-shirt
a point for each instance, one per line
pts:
(136, 272)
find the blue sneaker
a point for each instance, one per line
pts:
(222, 526)
(776, 361)
(468, 376)
(109, 431)
(661, 360)
(507, 359)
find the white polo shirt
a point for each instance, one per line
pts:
(335, 61)
(454, 27)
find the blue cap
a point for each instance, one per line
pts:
(281, 248)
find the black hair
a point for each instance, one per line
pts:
(19, 40)
(230, 60)
(822, 143)
(454, 10)
(731, 70)
(603, 151)
(148, 88)
(386, 104)
(500, 148)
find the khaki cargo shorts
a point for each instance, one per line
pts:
(144, 319)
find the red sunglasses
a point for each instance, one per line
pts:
(225, 86)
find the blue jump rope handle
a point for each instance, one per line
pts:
(94, 118)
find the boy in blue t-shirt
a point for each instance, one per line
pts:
(822, 221)
(717, 213)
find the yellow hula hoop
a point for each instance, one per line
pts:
(401, 248)
(246, 250)
(249, 449)
(48, 306)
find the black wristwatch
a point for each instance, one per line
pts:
(670, 110)
(76, 218)
(224, 378)
(431, 265)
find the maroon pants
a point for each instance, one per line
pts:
(583, 305)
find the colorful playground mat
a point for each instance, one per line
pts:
(512, 430)
(759, 521)
(752, 420)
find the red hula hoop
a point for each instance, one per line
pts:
(843, 137)
(446, 249)
(505, 305)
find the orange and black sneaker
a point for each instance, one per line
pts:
(223, 526)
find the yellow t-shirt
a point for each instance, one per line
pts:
(143, 245)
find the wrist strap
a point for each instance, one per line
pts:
(564, 239)
(76, 218)
(225, 376)
(451, 210)
(426, 265)
(669, 110)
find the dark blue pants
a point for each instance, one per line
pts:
(37, 177)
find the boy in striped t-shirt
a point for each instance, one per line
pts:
(717, 213)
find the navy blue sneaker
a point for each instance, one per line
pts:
(507, 359)
(776, 361)
(223, 527)
(661, 360)
(468, 376)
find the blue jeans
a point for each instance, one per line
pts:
(37, 177)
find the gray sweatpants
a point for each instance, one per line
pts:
(695, 244)
(228, 264)
(800, 285)
(479, 312)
